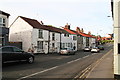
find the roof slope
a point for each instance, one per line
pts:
(70, 31)
(4, 13)
(35, 24)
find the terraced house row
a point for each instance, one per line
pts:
(40, 38)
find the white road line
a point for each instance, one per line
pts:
(73, 60)
(93, 53)
(98, 62)
(77, 59)
(48, 69)
(37, 73)
(86, 56)
(70, 62)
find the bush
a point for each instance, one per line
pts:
(106, 41)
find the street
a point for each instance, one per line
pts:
(53, 65)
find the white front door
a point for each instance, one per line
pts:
(46, 48)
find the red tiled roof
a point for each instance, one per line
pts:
(69, 31)
(83, 34)
(86, 35)
(78, 33)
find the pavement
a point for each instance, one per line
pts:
(103, 69)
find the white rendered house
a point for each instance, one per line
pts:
(35, 36)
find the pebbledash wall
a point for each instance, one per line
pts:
(20, 31)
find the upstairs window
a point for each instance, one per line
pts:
(74, 38)
(40, 33)
(53, 36)
(66, 35)
(2, 22)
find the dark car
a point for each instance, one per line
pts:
(14, 54)
(101, 47)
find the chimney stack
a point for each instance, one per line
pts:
(78, 29)
(41, 23)
(67, 26)
(89, 33)
(82, 30)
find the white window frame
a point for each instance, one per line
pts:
(40, 44)
(53, 36)
(2, 23)
(74, 37)
(53, 45)
(40, 33)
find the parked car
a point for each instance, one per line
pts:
(67, 51)
(95, 49)
(87, 49)
(101, 47)
(14, 54)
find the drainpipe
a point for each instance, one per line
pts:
(60, 41)
(48, 41)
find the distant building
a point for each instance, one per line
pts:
(4, 30)
(69, 40)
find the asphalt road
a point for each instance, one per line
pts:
(52, 66)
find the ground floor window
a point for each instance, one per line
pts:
(66, 45)
(53, 45)
(40, 44)
(62, 45)
(2, 41)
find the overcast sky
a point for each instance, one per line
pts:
(91, 15)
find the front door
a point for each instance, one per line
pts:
(46, 48)
(40, 47)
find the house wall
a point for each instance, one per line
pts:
(68, 40)
(79, 42)
(92, 42)
(20, 31)
(4, 31)
(56, 42)
(84, 42)
(116, 12)
(6, 20)
(35, 39)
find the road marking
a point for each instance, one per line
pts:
(93, 53)
(98, 62)
(89, 67)
(73, 60)
(37, 73)
(48, 69)
(86, 56)
(77, 59)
